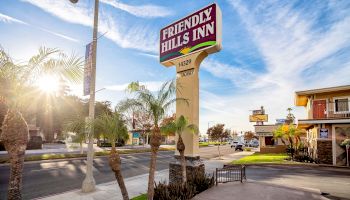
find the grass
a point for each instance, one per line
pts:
(257, 158)
(205, 144)
(76, 155)
(140, 197)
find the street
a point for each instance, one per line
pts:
(52, 177)
(43, 178)
(56, 176)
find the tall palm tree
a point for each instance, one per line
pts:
(180, 126)
(16, 91)
(113, 127)
(156, 104)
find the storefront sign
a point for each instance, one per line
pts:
(135, 135)
(197, 32)
(258, 118)
(323, 133)
(87, 69)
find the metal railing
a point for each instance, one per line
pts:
(230, 174)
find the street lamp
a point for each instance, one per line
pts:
(89, 181)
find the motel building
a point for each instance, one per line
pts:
(327, 123)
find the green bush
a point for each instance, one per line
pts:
(196, 184)
(247, 149)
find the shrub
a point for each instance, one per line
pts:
(176, 191)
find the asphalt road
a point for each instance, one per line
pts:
(51, 177)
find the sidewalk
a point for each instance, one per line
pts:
(254, 190)
(136, 185)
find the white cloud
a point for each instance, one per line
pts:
(8, 19)
(150, 85)
(147, 11)
(290, 44)
(237, 75)
(139, 37)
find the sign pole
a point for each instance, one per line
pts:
(185, 43)
(347, 154)
(89, 181)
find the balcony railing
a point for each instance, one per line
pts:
(330, 110)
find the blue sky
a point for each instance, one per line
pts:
(270, 48)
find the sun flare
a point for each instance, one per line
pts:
(48, 84)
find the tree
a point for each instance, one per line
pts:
(113, 127)
(156, 105)
(289, 135)
(17, 91)
(79, 126)
(217, 133)
(180, 126)
(248, 136)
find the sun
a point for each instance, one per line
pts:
(48, 84)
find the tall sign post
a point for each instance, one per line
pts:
(185, 43)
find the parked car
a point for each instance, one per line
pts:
(234, 144)
(239, 147)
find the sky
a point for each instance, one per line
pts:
(270, 49)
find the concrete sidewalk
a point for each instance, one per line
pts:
(136, 185)
(256, 190)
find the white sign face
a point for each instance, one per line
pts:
(323, 133)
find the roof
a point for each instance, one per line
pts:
(323, 90)
(301, 97)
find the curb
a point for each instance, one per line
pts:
(310, 165)
(76, 158)
(103, 184)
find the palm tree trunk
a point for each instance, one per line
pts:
(15, 137)
(81, 147)
(181, 148)
(152, 169)
(115, 164)
(155, 143)
(15, 183)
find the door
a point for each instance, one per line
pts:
(319, 109)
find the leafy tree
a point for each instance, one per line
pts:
(156, 105)
(17, 91)
(168, 120)
(248, 136)
(289, 135)
(218, 133)
(113, 127)
(180, 126)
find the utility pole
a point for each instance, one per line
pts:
(89, 181)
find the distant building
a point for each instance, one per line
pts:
(327, 123)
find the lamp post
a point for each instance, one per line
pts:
(89, 181)
(347, 154)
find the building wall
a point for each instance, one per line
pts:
(341, 132)
(327, 96)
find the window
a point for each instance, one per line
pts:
(341, 105)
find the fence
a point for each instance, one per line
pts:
(230, 174)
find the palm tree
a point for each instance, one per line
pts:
(113, 127)
(290, 134)
(79, 126)
(156, 104)
(180, 126)
(17, 92)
